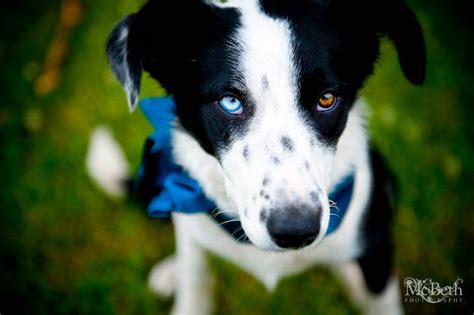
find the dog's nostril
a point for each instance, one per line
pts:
(294, 229)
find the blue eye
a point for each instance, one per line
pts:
(232, 105)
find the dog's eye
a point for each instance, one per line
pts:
(232, 105)
(327, 101)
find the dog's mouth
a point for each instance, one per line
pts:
(280, 230)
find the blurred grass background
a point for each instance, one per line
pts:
(66, 248)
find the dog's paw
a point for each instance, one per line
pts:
(162, 278)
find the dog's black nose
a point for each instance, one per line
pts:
(294, 228)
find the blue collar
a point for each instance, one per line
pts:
(167, 188)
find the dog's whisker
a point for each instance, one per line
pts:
(336, 215)
(211, 213)
(237, 230)
(214, 215)
(242, 238)
(229, 221)
(225, 206)
(227, 211)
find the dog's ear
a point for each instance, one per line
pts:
(399, 23)
(125, 62)
(164, 39)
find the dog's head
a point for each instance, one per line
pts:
(266, 86)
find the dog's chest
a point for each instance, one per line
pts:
(270, 267)
(344, 245)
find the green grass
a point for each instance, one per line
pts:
(66, 248)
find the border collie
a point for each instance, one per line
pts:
(268, 123)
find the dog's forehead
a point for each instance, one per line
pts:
(268, 42)
(324, 38)
(267, 59)
(278, 43)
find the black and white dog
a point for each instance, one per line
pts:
(268, 123)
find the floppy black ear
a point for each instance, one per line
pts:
(402, 27)
(162, 38)
(125, 63)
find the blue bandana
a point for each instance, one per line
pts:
(166, 187)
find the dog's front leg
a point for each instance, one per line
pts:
(193, 278)
(388, 301)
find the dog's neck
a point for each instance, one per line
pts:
(351, 155)
(353, 146)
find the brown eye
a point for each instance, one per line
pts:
(327, 101)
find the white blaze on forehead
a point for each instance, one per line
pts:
(267, 58)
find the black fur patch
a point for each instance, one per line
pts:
(376, 260)
(188, 52)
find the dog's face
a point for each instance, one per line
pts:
(266, 88)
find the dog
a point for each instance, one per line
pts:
(269, 123)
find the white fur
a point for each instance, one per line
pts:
(388, 302)
(162, 278)
(106, 163)
(120, 60)
(201, 166)
(353, 279)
